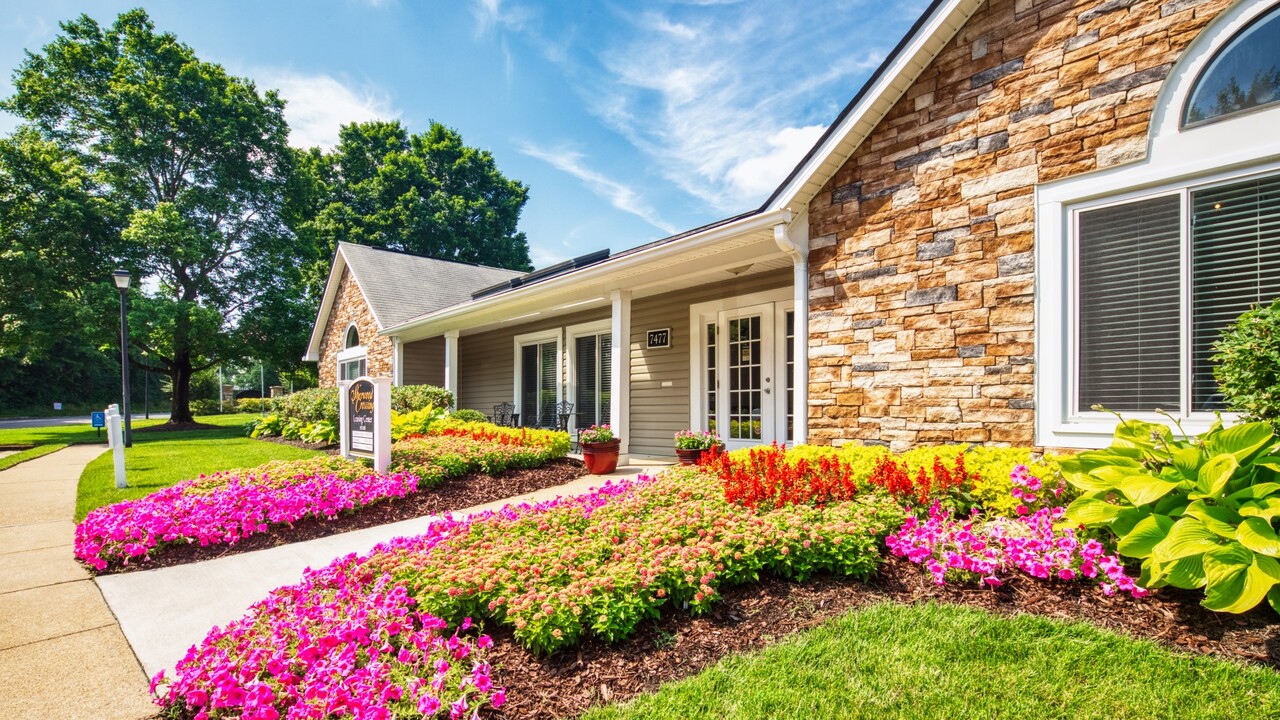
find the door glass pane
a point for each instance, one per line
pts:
(548, 383)
(606, 376)
(1235, 251)
(1130, 312)
(791, 375)
(529, 385)
(588, 380)
(711, 377)
(745, 390)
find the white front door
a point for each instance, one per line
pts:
(745, 392)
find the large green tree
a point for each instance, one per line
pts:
(425, 193)
(195, 163)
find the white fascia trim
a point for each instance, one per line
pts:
(527, 297)
(326, 307)
(862, 120)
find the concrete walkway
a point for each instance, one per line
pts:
(62, 655)
(164, 612)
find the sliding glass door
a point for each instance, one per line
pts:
(593, 376)
(539, 383)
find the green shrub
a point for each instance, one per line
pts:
(253, 405)
(321, 404)
(1248, 364)
(311, 405)
(206, 407)
(409, 398)
(418, 422)
(469, 416)
(267, 426)
(1199, 512)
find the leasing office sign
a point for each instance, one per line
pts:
(365, 415)
(361, 420)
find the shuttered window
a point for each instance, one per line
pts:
(1130, 332)
(594, 372)
(539, 384)
(1235, 249)
(1132, 324)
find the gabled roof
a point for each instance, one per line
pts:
(398, 286)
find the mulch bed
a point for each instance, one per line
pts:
(451, 495)
(328, 448)
(753, 616)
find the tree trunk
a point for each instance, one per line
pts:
(180, 372)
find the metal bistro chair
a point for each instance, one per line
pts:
(564, 411)
(504, 414)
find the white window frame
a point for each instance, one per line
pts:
(573, 332)
(349, 354)
(1177, 161)
(700, 314)
(537, 338)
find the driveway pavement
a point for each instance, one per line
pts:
(164, 612)
(58, 421)
(62, 655)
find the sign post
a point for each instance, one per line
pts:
(98, 420)
(365, 420)
(115, 438)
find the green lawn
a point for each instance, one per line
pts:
(942, 661)
(29, 454)
(158, 460)
(78, 434)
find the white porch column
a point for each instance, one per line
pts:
(397, 360)
(451, 369)
(796, 244)
(620, 383)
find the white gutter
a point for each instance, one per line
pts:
(759, 221)
(795, 242)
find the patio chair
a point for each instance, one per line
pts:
(504, 414)
(564, 411)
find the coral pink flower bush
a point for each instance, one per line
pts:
(1033, 542)
(340, 644)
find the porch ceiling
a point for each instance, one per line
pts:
(739, 255)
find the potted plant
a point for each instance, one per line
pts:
(692, 445)
(599, 449)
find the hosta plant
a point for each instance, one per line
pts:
(1200, 512)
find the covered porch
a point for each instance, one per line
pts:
(713, 340)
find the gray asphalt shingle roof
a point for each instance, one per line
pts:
(399, 286)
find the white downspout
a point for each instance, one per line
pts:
(798, 248)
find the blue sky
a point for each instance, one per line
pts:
(629, 121)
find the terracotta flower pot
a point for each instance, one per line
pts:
(689, 456)
(601, 458)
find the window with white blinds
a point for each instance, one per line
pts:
(1235, 264)
(1132, 323)
(593, 373)
(539, 384)
(1129, 310)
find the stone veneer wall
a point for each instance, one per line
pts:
(349, 306)
(921, 313)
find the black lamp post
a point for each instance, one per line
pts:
(121, 278)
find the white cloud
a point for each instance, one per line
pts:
(318, 105)
(724, 98)
(619, 195)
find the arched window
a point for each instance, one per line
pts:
(353, 337)
(1244, 75)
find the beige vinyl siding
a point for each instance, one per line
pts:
(424, 362)
(487, 376)
(657, 412)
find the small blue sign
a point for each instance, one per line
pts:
(98, 419)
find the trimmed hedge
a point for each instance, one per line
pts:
(321, 404)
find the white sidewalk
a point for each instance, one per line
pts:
(164, 612)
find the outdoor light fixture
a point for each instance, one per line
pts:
(121, 279)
